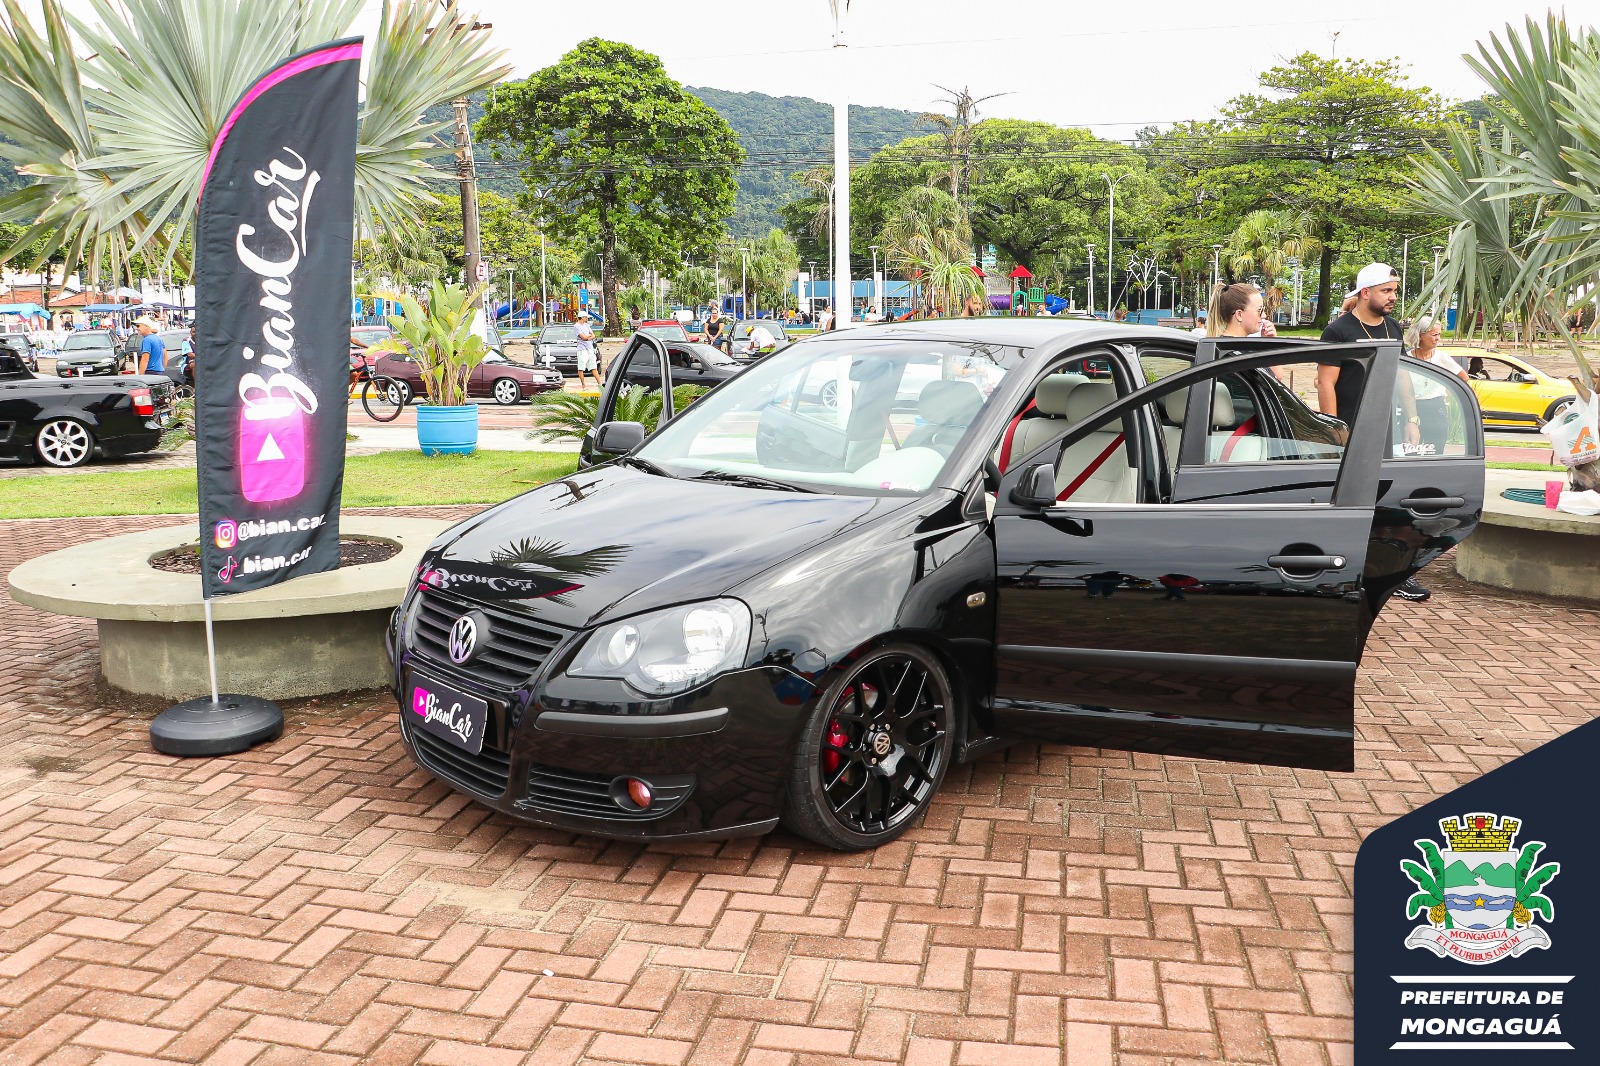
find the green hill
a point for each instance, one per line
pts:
(785, 135)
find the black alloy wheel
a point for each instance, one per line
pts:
(873, 752)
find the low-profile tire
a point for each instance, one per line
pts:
(64, 442)
(506, 392)
(1556, 407)
(849, 787)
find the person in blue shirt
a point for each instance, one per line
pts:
(152, 352)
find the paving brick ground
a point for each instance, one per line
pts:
(322, 900)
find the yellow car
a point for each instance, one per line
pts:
(1511, 391)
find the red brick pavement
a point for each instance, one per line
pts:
(321, 900)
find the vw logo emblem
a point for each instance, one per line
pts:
(468, 630)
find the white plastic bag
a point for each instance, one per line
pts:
(1585, 502)
(1575, 433)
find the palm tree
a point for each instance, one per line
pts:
(928, 236)
(956, 132)
(1543, 164)
(774, 261)
(695, 286)
(116, 143)
(1264, 242)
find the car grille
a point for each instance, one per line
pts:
(560, 791)
(486, 773)
(517, 647)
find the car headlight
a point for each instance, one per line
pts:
(668, 651)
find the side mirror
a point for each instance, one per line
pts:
(618, 438)
(1037, 487)
(1523, 379)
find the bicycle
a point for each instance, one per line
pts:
(383, 398)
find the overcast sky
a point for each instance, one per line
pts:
(1110, 66)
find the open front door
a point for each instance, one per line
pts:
(1227, 627)
(635, 381)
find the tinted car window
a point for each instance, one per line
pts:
(84, 341)
(1443, 414)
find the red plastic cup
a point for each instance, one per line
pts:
(1552, 494)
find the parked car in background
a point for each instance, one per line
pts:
(557, 346)
(68, 423)
(496, 378)
(88, 353)
(744, 327)
(1511, 391)
(692, 364)
(20, 344)
(666, 329)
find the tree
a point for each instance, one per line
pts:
(1332, 138)
(928, 237)
(956, 133)
(1265, 242)
(773, 262)
(117, 143)
(695, 286)
(618, 149)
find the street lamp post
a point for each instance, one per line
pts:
(811, 291)
(1216, 272)
(744, 284)
(877, 288)
(841, 168)
(1090, 247)
(1294, 288)
(1111, 220)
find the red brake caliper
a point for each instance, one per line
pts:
(835, 741)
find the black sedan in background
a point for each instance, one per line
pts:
(690, 363)
(778, 608)
(557, 346)
(69, 423)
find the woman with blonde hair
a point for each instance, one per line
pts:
(1238, 310)
(1422, 342)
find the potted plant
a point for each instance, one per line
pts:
(440, 337)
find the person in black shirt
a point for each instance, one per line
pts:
(1339, 380)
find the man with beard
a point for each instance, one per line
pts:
(1339, 381)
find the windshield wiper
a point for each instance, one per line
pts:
(749, 481)
(644, 464)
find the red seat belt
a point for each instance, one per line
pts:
(1011, 432)
(1247, 427)
(1089, 470)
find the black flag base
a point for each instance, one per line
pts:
(228, 726)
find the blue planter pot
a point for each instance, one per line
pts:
(447, 430)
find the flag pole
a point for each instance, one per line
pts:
(211, 654)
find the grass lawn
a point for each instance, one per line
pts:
(389, 479)
(1527, 466)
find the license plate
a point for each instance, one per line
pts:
(448, 713)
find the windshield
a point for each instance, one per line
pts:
(861, 418)
(86, 340)
(369, 336)
(670, 332)
(744, 329)
(558, 335)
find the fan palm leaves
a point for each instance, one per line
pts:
(553, 557)
(116, 142)
(1543, 162)
(929, 236)
(1265, 241)
(563, 415)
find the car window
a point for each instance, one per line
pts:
(1157, 365)
(1443, 414)
(638, 396)
(495, 357)
(680, 359)
(859, 417)
(1488, 368)
(79, 341)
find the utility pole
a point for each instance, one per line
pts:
(467, 175)
(1090, 308)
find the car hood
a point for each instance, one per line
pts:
(86, 355)
(614, 541)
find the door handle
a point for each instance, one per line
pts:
(1432, 503)
(1306, 563)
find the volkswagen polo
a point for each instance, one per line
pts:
(780, 608)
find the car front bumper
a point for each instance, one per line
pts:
(557, 751)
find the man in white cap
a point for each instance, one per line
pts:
(1339, 381)
(152, 351)
(588, 361)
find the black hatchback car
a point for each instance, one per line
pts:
(776, 607)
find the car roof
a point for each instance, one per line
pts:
(1013, 332)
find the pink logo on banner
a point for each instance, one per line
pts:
(420, 699)
(272, 450)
